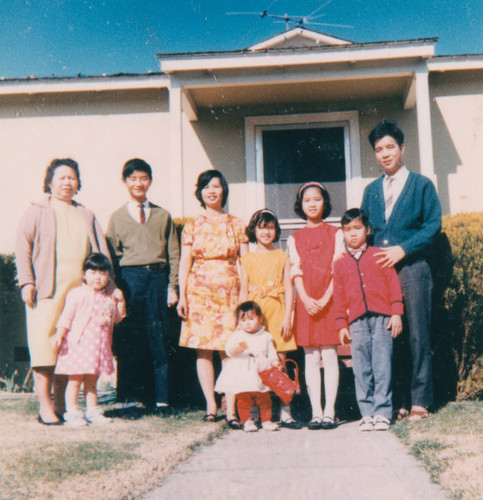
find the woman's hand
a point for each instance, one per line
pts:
(286, 329)
(182, 307)
(29, 294)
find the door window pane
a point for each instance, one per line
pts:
(294, 156)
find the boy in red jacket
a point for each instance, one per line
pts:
(368, 306)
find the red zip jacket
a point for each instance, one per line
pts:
(362, 286)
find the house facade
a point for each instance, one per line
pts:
(295, 107)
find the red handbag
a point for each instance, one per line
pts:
(280, 383)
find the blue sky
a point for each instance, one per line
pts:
(92, 37)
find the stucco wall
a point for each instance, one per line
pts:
(99, 130)
(457, 122)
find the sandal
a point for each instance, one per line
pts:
(315, 424)
(328, 423)
(234, 424)
(209, 417)
(401, 415)
(418, 414)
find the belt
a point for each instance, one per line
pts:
(149, 267)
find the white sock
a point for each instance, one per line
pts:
(331, 379)
(285, 413)
(313, 379)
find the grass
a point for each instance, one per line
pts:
(450, 445)
(121, 460)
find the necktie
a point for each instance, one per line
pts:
(389, 198)
(142, 215)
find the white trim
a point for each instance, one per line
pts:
(83, 85)
(295, 58)
(453, 64)
(254, 125)
(319, 38)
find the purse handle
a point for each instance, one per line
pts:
(296, 379)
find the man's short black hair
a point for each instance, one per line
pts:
(352, 214)
(136, 165)
(386, 127)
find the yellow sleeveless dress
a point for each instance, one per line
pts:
(71, 248)
(266, 288)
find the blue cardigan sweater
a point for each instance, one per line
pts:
(415, 221)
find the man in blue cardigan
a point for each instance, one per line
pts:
(405, 218)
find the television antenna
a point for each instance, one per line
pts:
(297, 20)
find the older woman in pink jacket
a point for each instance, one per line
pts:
(54, 237)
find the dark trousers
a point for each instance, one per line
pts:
(413, 378)
(141, 340)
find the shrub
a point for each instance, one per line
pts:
(458, 271)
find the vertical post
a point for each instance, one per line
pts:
(423, 112)
(176, 150)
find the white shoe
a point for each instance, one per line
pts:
(96, 416)
(366, 424)
(381, 423)
(250, 426)
(74, 419)
(269, 426)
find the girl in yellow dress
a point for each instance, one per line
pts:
(265, 279)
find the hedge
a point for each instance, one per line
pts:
(458, 307)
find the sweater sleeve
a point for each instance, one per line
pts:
(423, 239)
(23, 250)
(340, 299)
(172, 248)
(395, 292)
(68, 312)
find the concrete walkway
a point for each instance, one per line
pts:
(338, 464)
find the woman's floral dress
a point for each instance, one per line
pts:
(213, 283)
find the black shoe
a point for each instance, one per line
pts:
(328, 423)
(234, 424)
(130, 413)
(163, 411)
(291, 423)
(315, 424)
(41, 421)
(209, 417)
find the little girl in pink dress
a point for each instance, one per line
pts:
(84, 334)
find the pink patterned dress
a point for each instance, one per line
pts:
(89, 316)
(213, 282)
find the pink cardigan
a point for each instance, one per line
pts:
(78, 308)
(35, 245)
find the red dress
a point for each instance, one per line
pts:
(315, 247)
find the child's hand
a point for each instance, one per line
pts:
(395, 325)
(286, 329)
(56, 341)
(344, 336)
(322, 302)
(276, 364)
(117, 295)
(241, 347)
(311, 305)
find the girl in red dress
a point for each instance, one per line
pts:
(312, 251)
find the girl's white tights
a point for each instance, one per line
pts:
(313, 379)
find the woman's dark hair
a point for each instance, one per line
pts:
(248, 306)
(386, 127)
(326, 209)
(136, 164)
(97, 262)
(260, 219)
(352, 214)
(54, 165)
(204, 179)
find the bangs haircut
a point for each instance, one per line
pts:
(97, 262)
(248, 306)
(352, 214)
(136, 165)
(326, 209)
(204, 179)
(54, 165)
(260, 219)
